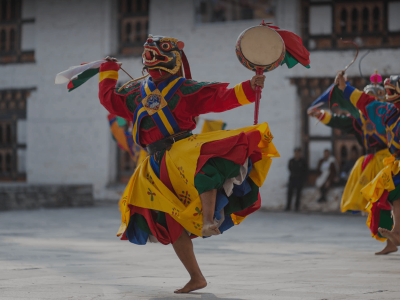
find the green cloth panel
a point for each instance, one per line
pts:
(385, 220)
(394, 195)
(290, 61)
(82, 78)
(141, 222)
(216, 170)
(343, 123)
(338, 98)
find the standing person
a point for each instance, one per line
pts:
(328, 170)
(298, 171)
(190, 185)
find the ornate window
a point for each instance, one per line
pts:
(13, 134)
(11, 25)
(133, 26)
(209, 11)
(316, 137)
(373, 24)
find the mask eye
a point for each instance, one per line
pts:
(166, 46)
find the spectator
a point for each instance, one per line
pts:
(298, 169)
(328, 170)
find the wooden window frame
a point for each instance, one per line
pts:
(372, 39)
(13, 107)
(15, 55)
(134, 47)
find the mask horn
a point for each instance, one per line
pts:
(186, 67)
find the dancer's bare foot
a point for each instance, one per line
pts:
(192, 285)
(393, 236)
(388, 249)
(210, 229)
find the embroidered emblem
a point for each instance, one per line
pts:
(154, 102)
(268, 137)
(363, 180)
(196, 225)
(151, 194)
(369, 126)
(181, 171)
(175, 212)
(199, 144)
(192, 138)
(149, 178)
(185, 197)
(199, 212)
(385, 178)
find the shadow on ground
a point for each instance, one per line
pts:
(191, 296)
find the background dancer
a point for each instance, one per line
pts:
(366, 167)
(384, 191)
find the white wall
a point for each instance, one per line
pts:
(68, 137)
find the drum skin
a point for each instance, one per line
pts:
(260, 48)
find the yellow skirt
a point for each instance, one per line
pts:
(147, 191)
(352, 198)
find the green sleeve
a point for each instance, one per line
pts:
(344, 123)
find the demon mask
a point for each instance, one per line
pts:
(375, 90)
(392, 87)
(163, 53)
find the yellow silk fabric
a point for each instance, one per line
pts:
(211, 125)
(147, 191)
(383, 181)
(352, 199)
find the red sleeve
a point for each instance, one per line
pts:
(217, 98)
(112, 101)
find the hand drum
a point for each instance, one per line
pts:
(260, 49)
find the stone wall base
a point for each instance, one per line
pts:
(32, 196)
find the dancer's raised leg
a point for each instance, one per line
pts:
(394, 234)
(208, 203)
(184, 249)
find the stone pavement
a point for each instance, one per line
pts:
(74, 254)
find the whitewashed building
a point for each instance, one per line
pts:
(51, 137)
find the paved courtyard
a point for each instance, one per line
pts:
(74, 254)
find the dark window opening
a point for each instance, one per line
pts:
(3, 39)
(365, 20)
(8, 134)
(4, 10)
(343, 20)
(354, 20)
(376, 19)
(128, 6)
(12, 40)
(138, 5)
(8, 163)
(138, 32)
(128, 32)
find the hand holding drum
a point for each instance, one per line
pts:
(260, 49)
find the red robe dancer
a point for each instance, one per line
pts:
(189, 185)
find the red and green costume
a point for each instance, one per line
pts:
(241, 157)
